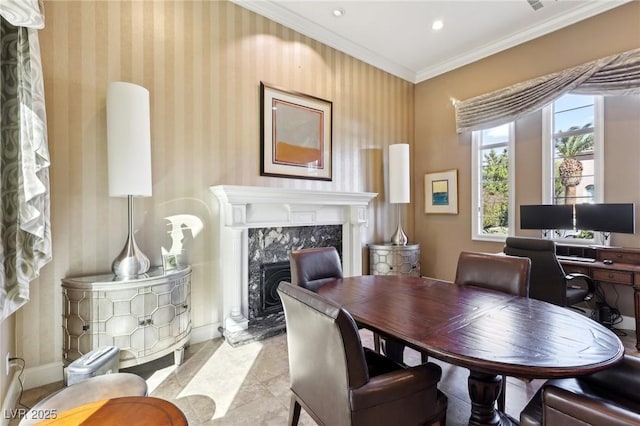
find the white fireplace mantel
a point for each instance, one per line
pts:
(244, 207)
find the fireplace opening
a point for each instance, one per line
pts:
(271, 274)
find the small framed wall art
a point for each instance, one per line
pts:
(441, 192)
(295, 134)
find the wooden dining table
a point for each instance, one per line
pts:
(488, 332)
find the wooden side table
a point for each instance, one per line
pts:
(387, 259)
(128, 410)
(146, 317)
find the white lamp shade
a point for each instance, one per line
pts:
(399, 179)
(129, 140)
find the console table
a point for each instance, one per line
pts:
(388, 259)
(147, 317)
(622, 268)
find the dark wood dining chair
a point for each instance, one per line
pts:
(338, 382)
(508, 274)
(548, 281)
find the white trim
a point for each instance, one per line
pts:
(476, 182)
(53, 372)
(276, 12)
(239, 208)
(42, 375)
(598, 159)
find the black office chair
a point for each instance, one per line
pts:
(508, 274)
(548, 280)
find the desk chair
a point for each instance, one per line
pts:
(548, 281)
(313, 267)
(338, 382)
(508, 274)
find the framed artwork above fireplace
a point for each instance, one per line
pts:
(295, 134)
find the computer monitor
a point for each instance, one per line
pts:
(546, 216)
(610, 217)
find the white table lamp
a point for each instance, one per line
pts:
(129, 157)
(399, 186)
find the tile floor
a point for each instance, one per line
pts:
(249, 385)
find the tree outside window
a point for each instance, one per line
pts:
(493, 171)
(573, 136)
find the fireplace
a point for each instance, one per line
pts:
(268, 253)
(252, 219)
(271, 274)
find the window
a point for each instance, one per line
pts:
(492, 182)
(573, 156)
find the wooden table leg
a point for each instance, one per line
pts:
(483, 391)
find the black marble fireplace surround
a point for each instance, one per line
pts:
(267, 246)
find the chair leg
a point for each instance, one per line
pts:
(294, 411)
(376, 342)
(502, 398)
(424, 357)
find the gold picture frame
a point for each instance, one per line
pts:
(296, 134)
(441, 192)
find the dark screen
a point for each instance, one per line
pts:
(606, 217)
(546, 216)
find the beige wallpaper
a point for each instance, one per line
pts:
(438, 147)
(202, 62)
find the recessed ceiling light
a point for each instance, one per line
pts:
(339, 12)
(437, 25)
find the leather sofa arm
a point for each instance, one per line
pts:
(397, 385)
(591, 285)
(563, 407)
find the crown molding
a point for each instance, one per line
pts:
(280, 14)
(587, 10)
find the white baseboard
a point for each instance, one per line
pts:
(627, 323)
(204, 333)
(10, 403)
(50, 373)
(42, 375)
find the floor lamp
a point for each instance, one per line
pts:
(129, 156)
(399, 186)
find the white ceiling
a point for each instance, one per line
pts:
(396, 36)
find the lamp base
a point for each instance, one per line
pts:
(131, 261)
(399, 238)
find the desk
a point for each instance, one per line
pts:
(490, 333)
(625, 269)
(128, 410)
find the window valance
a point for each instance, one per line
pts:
(614, 75)
(23, 13)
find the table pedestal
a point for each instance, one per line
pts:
(483, 391)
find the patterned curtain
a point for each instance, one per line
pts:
(614, 75)
(25, 228)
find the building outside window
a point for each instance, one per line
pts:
(573, 156)
(492, 182)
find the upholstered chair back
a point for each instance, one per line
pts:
(326, 358)
(508, 274)
(313, 267)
